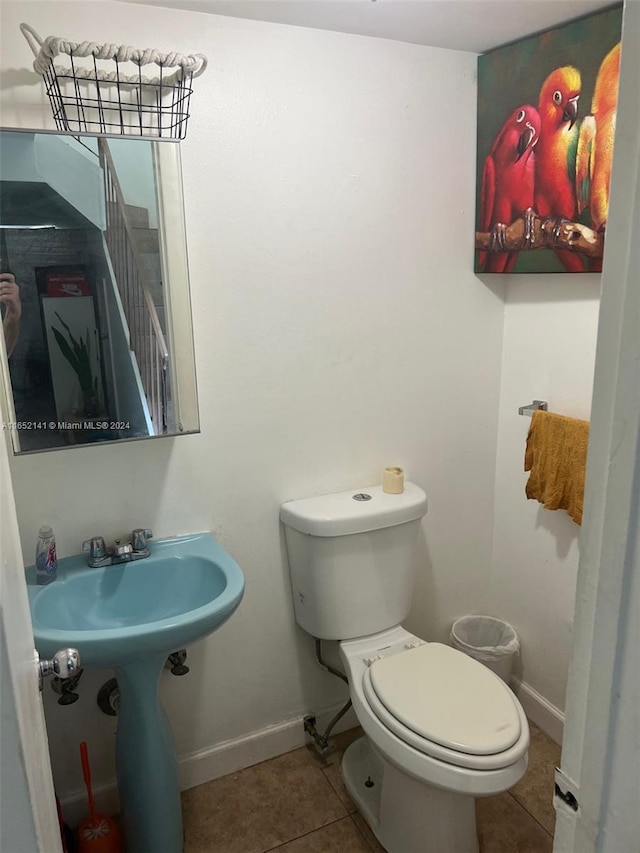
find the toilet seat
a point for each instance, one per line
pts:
(443, 703)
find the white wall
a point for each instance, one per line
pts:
(329, 191)
(550, 329)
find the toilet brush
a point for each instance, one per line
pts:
(97, 834)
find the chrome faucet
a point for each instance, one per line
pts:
(120, 552)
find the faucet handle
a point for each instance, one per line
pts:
(139, 538)
(96, 547)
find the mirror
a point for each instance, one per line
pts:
(94, 291)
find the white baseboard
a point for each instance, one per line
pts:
(219, 760)
(541, 712)
(233, 755)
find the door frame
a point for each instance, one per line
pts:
(597, 757)
(22, 710)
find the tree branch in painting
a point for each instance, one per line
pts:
(551, 233)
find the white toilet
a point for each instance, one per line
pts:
(440, 728)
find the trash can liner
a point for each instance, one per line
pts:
(484, 638)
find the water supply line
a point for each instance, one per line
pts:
(322, 740)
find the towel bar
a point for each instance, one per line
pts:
(530, 408)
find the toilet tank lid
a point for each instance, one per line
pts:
(347, 512)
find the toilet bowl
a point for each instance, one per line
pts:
(475, 750)
(439, 728)
(427, 751)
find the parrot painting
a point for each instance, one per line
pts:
(555, 193)
(595, 143)
(508, 184)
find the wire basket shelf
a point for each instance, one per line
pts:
(103, 88)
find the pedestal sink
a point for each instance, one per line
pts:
(131, 616)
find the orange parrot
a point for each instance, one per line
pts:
(595, 143)
(555, 193)
(507, 184)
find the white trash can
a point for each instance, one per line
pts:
(491, 641)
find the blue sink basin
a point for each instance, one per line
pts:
(183, 591)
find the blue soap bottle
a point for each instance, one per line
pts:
(46, 560)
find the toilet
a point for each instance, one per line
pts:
(439, 727)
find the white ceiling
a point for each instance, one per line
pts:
(472, 25)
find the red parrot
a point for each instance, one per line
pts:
(507, 184)
(595, 144)
(555, 191)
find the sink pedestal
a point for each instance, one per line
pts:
(146, 765)
(131, 616)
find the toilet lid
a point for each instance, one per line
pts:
(446, 697)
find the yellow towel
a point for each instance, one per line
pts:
(556, 455)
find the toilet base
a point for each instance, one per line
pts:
(407, 816)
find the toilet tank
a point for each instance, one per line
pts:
(352, 559)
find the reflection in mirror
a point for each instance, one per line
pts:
(94, 291)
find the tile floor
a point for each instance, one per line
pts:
(296, 803)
